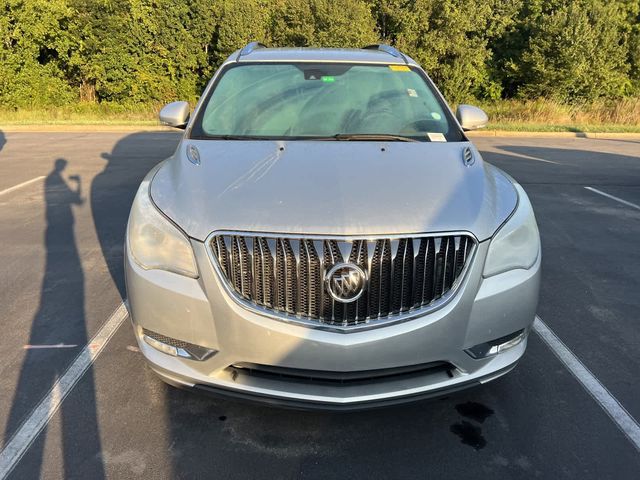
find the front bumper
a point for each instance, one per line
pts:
(199, 311)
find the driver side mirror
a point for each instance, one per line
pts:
(175, 114)
(471, 118)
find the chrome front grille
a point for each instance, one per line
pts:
(285, 275)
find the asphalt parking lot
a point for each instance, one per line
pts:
(64, 201)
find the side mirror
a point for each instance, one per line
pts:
(175, 114)
(471, 118)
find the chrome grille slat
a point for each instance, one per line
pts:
(285, 274)
(291, 282)
(351, 309)
(279, 300)
(360, 258)
(407, 276)
(438, 281)
(385, 279)
(420, 252)
(267, 272)
(258, 286)
(375, 265)
(303, 280)
(429, 273)
(333, 256)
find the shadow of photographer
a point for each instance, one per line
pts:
(52, 346)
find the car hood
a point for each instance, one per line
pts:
(332, 188)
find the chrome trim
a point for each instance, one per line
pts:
(390, 319)
(343, 238)
(177, 348)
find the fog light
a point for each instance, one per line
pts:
(176, 348)
(496, 346)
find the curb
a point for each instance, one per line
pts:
(85, 128)
(508, 133)
(160, 128)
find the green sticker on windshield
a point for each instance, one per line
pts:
(328, 79)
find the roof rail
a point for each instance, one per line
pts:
(248, 48)
(388, 49)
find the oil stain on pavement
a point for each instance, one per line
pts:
(469, 433)
(474, 411)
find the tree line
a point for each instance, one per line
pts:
(57, 52)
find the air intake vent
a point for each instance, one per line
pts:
(467, 156)
(372, 280)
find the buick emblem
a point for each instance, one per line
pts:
(345, 282)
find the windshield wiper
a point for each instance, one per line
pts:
(373, 136)
(338, 136)
(236, 137)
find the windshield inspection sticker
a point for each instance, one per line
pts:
(412, 92)
(399, 68)
(436, 137)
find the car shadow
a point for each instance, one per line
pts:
(113, 190)
(506, 428)
(52, 348)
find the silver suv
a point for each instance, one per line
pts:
(326, 236)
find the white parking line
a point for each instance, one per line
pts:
(528, 157)
(625, 422)
(20, 185)
(44, 411)
(624, 202)
(41, 347)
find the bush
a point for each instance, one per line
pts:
(128, 52)
(577, 52)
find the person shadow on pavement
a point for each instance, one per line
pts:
(58, 333)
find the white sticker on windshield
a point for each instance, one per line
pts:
(436, 137)
(412, 92)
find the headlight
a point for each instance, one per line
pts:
(155, 242)
(517, 242)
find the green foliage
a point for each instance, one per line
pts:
(450, 39)
(128, 52)
(34, 53)
(240, 21)
(631, 28)
(323, 23)
(577, 52)
(134, 51)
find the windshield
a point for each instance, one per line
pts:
(304, 100)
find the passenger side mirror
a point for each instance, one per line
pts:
(471, 118)
(175, 114)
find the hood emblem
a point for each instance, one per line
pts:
(345, 282)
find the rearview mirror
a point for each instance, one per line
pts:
(471, 118)
(175, 114)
